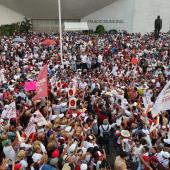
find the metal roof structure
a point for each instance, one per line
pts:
(48, 9)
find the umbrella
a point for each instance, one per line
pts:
(19, 39)
(48, 42)
(134, 60)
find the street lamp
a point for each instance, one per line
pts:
(60, 31)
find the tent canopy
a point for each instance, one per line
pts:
(48, 9)
(75, 26)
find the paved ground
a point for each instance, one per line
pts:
(113, 152)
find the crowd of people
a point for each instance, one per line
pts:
(116, 80)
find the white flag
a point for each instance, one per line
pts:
(163, 101)
(9, 112)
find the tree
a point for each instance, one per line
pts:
(100, 29)
(26, 26)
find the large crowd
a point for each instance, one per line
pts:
(116, 80)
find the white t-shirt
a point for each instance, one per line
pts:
(82, 85)
(88, 145)
(100, 58)
(24, 164)
(9, 152)
(105, 128)
(83, 58)
(56, 108)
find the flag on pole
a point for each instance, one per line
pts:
(163, 101)
(41, 85)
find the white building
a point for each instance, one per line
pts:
(130, 15)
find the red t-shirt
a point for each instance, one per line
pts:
(148, 159)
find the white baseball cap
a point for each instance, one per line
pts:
(83, 166)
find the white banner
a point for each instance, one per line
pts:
(75, 26)
(9, 112)
(163, 101)
(30, 129)
(39, 119)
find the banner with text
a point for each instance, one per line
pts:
(163, 101)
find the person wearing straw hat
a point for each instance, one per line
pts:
(125, 140)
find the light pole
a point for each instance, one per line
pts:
(60, 31)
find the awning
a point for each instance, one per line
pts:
(75, 26)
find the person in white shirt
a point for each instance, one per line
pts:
(105, 133)
(9, 151)
(114, 70)
(83, 61)
(82, 84)
(89, 62)
(99, 59)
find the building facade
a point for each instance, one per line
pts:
(131, 15)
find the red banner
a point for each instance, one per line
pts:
(41, 86)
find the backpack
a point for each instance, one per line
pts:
(106, 133)
(95, 129)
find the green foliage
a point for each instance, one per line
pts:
(88, 32)
(113, 31)
(10, 29)
(25, 26)
(100, 29)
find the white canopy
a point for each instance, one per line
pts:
(75, 26)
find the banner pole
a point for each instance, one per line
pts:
(60, 31)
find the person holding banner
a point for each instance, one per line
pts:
(56, 113)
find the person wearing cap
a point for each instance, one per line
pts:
(163, 159)
(83, 166)
(8, 150)
(125, 142)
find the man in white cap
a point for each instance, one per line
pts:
(83, 166)
(164, 159)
